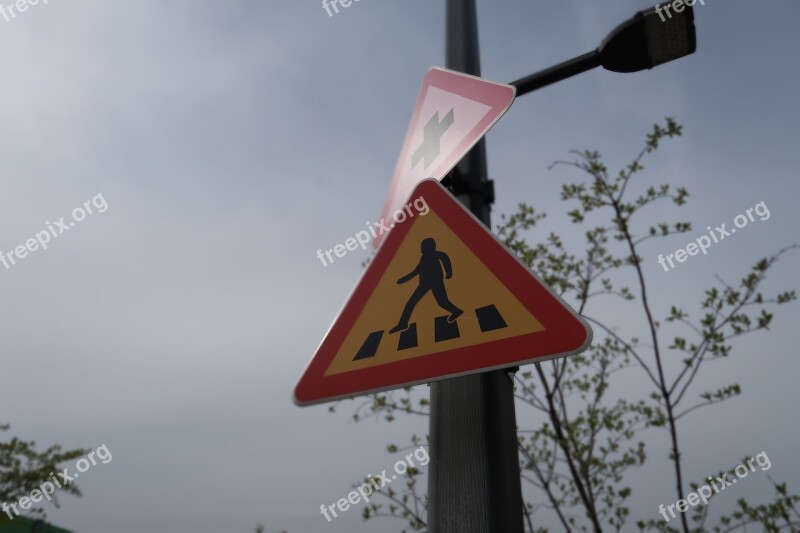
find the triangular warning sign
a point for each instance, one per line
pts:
(441, 298)
(452, 113)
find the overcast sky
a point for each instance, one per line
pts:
(231, 140)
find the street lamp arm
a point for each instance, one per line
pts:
(556, 73)
(646, 40)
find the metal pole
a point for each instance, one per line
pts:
(473, 477)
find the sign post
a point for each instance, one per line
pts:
(474, 485)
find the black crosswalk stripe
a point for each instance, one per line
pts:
(370, 346)
(489, 319)
(444, 330)
(408, 338)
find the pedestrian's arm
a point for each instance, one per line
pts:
(448, 271)
(408, 276)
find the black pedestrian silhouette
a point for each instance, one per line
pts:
(429, 270)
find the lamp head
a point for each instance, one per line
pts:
(652, 37)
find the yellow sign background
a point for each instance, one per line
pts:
(472, 286)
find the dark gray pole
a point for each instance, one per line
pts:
(474, 478)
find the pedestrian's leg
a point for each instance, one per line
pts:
(440, 294)
(417, 295)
